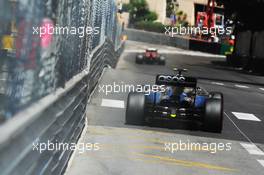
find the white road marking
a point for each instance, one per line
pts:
(217, 83)
(252, 149)
(113, 103)
(241, 86)
(241, 132)
(246, 116)
(261, 162)
(261, 89)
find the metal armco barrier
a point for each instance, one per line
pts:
(48, 87)
(58, 118)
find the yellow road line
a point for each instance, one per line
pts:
(186, 163)
(165, 160)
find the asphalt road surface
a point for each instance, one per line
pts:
(123, 149)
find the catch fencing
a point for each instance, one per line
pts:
(49, 79)
(37, 66)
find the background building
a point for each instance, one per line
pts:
(192, 7)
(188, 7)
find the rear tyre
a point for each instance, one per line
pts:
(162, 60)
(139, 59)
(213, 119)
(216, 95)
(135, 108)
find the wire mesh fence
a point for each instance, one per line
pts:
(44, 43)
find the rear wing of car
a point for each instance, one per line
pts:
(151, 50)
(175, 80)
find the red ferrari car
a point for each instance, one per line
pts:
(150, 56)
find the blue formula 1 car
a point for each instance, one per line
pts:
(179, 99)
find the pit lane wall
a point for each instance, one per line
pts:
(176, 41)
(156, 38)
